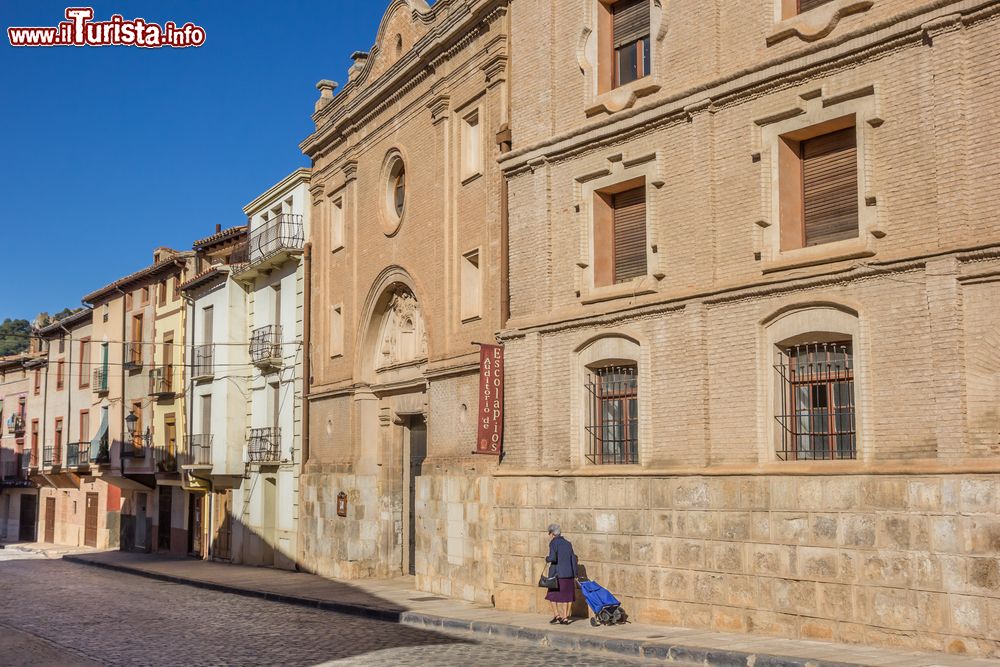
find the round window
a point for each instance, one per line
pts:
(395, 194)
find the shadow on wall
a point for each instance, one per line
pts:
(235, 627)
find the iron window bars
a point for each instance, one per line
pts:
(613, 420)
(282, 232)
(263, 444)
(817, 414)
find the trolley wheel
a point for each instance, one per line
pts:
(594, 622)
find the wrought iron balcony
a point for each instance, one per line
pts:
(14, 468)
(265, 346)
(51, 456)
(165, 458)
(135, 447)
(202, 362)
(15, 424)
(77, 454)
(100, 384)
(281, 233)
(199, 449)
(133, 356)
(161, 382)
(264, 445)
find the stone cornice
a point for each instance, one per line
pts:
(866, 42)
(573, 317)
(460, 28)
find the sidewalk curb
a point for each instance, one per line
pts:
(634, 648)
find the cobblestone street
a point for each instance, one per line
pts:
(69, 614)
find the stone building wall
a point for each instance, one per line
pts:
(909, 560)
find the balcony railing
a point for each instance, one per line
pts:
(161, 381)
(265, 345)
(264, 445)
(51, 456)
(203, 361)
(283, 232)
(14, 468)
(133, 356)
(31, 460)
(165, 458)
(77, 454)
(100, 385)
(134, 448)
(200, 449)
(15, 425)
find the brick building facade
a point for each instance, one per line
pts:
(406, 256)
(754, 308)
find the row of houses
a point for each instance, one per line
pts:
(164, 415)
(743, 263)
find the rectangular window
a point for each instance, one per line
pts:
(620, 233)
(60, 375)
(806, 5)
(207, 324)
(85, 363)
(135, 348)
(206, 414)
(37, 384)
(58, 440)
(630, 38)
(336, 331)
(170, 435)
(84, 425)
(336, 223)
(472, 146)
(817, 415)
(105, 310)
(137, 439)
(162, 289)
(818, 184)
(175, 291)
(168, 360)
(471, 285)
(145, 294)
(62, 343)
(34, 443)
(830, 187)
(613, 422)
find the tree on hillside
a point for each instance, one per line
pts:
(14, 336)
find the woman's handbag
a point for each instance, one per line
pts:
(550, 580)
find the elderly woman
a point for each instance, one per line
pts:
(564, 562)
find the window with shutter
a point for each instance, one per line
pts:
(830, 187)
(806, 5)
(630, 39)
(629, 234)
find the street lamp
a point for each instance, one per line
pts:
(130, 423)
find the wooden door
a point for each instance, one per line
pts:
(50, 520)
(195, 501)
(165, 507)
(29, 511)
(90, 521)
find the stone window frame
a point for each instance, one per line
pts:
(811, 321)
(471, 169)
(465, 259)
(336, 323)
(620, 172)
(813, 24)
(595, 54)
(815, 112)
(394, 160)
(609, 348)
(337, 219)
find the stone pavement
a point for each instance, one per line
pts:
(45, 549)
(397, 600)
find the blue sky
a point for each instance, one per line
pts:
(110, 152)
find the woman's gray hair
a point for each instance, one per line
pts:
(554, 529)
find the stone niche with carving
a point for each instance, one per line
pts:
(402, 339)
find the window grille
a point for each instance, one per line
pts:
(613, 420)
(817, 411)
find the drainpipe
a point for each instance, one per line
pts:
(306, 350)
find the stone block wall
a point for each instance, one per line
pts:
(901, 560)
(454, 549)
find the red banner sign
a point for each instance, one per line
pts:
(490, 438)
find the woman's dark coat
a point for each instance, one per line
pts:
(562, 557)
